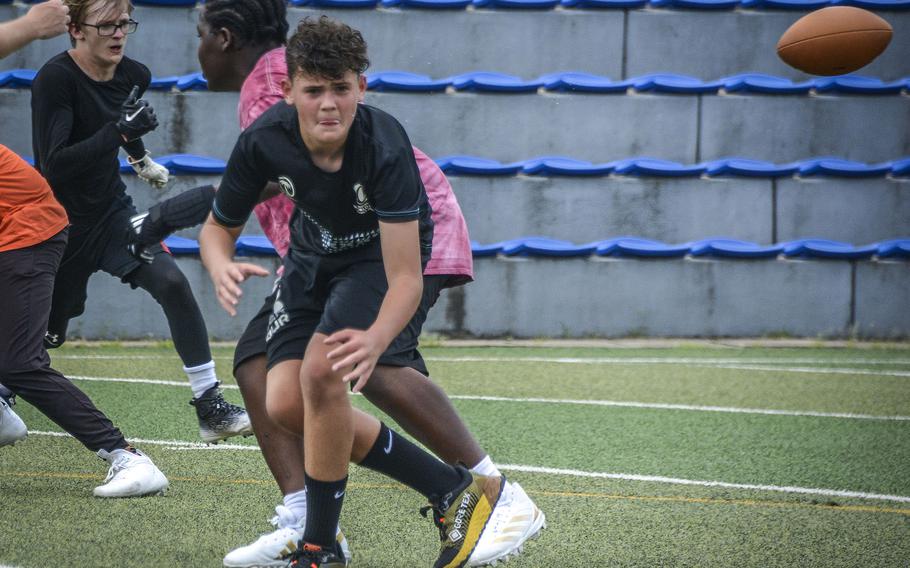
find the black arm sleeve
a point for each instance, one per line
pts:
(53, 92)
(241, 185)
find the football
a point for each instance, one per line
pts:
(834, 40)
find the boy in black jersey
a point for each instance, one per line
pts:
(352, 280)
(85, 107)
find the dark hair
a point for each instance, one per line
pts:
(326, 48)
(253, 21)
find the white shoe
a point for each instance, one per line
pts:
(132, 474)
(272, 549)
(515, 519)
(12, 428)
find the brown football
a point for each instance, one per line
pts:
(834, 40)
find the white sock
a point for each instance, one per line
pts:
(296, 503)
(202, 378)
(486, 467)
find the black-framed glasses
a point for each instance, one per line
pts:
(107, 30)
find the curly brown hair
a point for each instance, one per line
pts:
(326, 48)
(82, 9)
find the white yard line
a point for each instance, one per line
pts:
(582, 402)
(180, 445)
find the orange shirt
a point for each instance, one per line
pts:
(29, 214)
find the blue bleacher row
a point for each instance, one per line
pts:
(257, 245)
(551, 4)
(569, 81)
(563, 166)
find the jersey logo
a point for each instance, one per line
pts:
(361, 204)
(286, 186)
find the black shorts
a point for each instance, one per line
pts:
(101, 246)
(289, 340)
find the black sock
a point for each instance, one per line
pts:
(323, 510)
(396, 457)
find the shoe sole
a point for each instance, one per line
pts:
(210, 437)
(533, 534)
(160, 493)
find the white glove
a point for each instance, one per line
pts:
(149, 171)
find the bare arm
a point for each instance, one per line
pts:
(42, 21)
(401, 258)
(216, 247)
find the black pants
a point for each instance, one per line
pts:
(26, 288)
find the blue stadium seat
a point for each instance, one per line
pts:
(824, 248)
(761, 83)
(875, 4)
(733, 248)
(637, 246)
(192, 81)
(545, 246)
(164, 83)
(181, 245)
(583, 82)
(617, 4)
(472, 165)
(517, 4)
(674, 83)
(191, 164)
(404, 81)
(696, 4)
(165, 2)
(834, 166)
(17, 77)
(786, 4)
(343, 3)
(429, 4)
(749, 168)
(496, 82)
(655, 167)
(478, 249)
(895, 248)
(563, 166)
(859, 85)
(901, 167)
(255, 245)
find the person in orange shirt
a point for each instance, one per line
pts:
(33, 232)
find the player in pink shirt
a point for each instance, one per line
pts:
(241, 47)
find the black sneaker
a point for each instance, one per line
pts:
(462, 515)
(313, 556)
(218, 418)
(136, 246)
(8, 396)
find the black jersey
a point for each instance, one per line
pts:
(334, 212)
(74, 137)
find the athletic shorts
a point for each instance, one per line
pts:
(101, 246)
(291, 331)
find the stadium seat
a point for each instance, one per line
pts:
(255, 245)
(656, 167)
(761, 83)
(859, 85)
(190, 164)
(472, 165)
(542, 246)
(192, 81)
(517, 4)
(17, 77)
(583, 83)
(824, 248)
(895, 248)
(405, 81)
(637, 246)
(480, 250)
(786, 4)
(563, 166)
(696, 4)
(165, 2)
(674, 83)
(733, 248)
(615, 4)
(875, 4)
(749, 168)
(164, 83)
(428, 4)
(343, 3)
(834, 166)
(900, 168)
(495, 82)
(181, 245)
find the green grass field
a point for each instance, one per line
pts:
(691, 456)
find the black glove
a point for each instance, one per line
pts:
(137, 118)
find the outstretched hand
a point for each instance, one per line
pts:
(227, 279)
(358, 349)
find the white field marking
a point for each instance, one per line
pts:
(816, 370)
(580, 360)
(619, 403)
(575, 473)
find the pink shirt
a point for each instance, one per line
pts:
(451, 245)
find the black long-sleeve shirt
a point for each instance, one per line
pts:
(74, 134)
